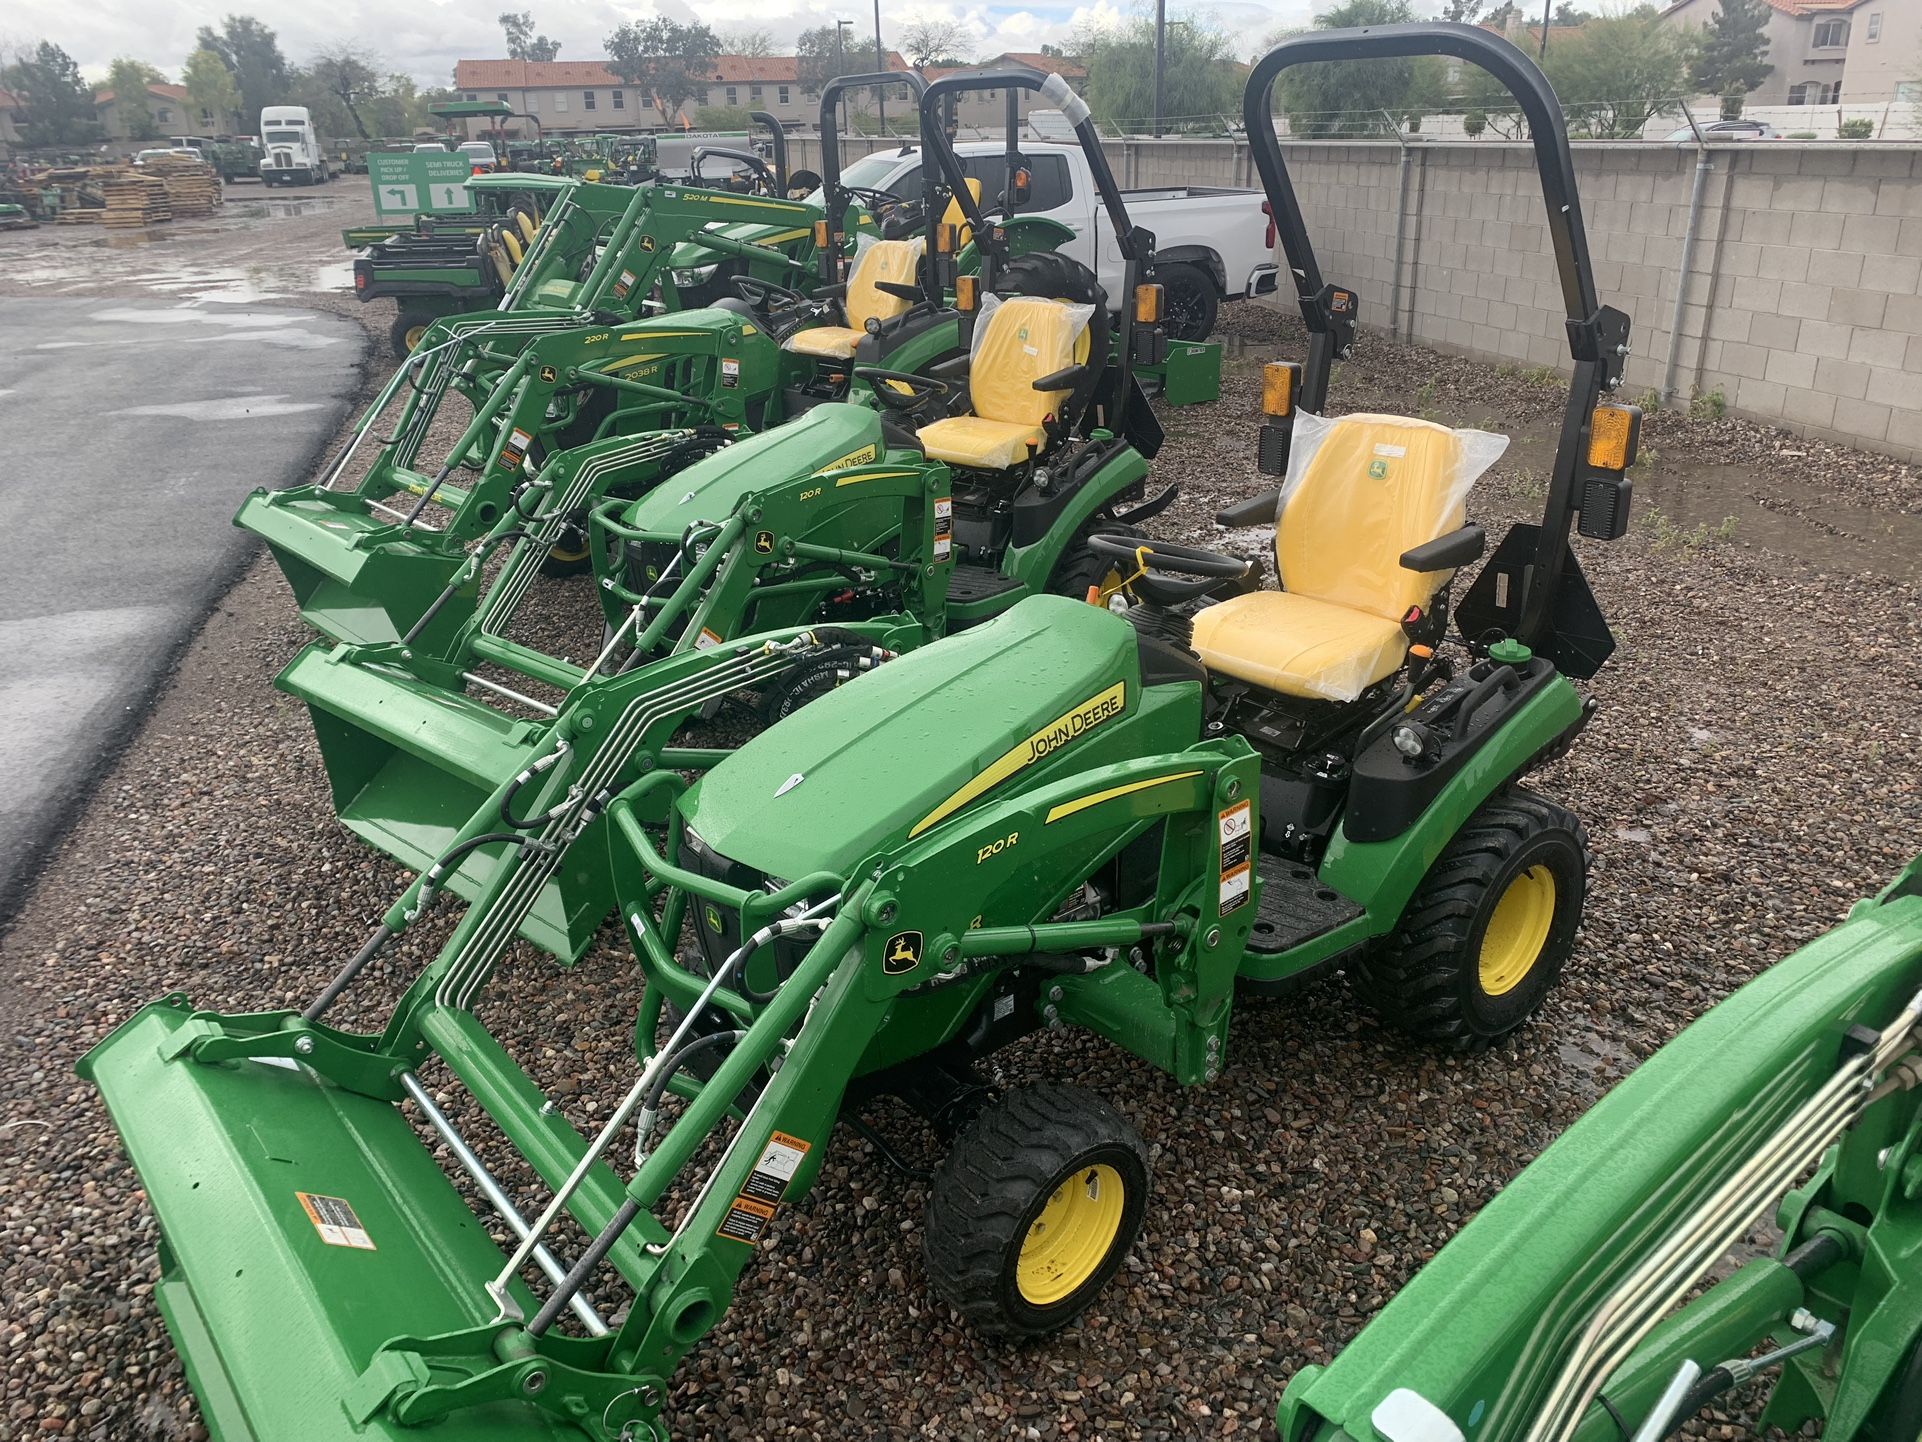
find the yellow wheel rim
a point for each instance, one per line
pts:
(1513, 940)
(1071, 1238)
(413, 335)
(565, 552)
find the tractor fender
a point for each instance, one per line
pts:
(1032, 564)
(1382, 875)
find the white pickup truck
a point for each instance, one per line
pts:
(1211, 244)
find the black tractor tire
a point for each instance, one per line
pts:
(1441, 976)
(406, 332)
(1047, 1149)
(1192, 300)
(1079, 567)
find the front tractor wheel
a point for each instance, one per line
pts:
(1034, 1210)
(1488, 930)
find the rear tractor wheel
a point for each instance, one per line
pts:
(1488, 930)
(1081, 570)
(1034, 1210)
(408, 330)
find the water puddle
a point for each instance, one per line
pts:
(225, 408)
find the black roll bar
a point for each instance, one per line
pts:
(834, 196)
(1597, 334)
(728, 152)
(777, 146)
(1136, 246)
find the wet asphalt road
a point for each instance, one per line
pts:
(132, 431)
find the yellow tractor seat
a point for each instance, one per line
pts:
(955, 216)
(1369, 488)
(885, 260)
(1297, 645)
(1020, 340)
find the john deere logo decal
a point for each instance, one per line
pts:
(713, 918)
(903, 953)
(1378, 470)
(647, 242)
(548, 375)
(764, 541)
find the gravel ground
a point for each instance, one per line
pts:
(1747, 778)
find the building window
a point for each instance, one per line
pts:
(647, 102)
(784, 95)
(501, 95)
(471, 96)
(754, 94)
(1816, 92)
(1831, 34)
(587, 100)
(164, 115)
(620, 99)
(560, 103)
(1907, 90)
(1875, 28)
(206, 116)
(733, 96)
(533, 102)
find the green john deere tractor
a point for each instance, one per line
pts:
(1573, 1307)
(843, 514)
(1058, 817)
(562, 364)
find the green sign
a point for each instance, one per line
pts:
(420, 183)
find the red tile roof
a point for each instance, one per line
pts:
(561, 74)
(158, 88)
(1799, 8)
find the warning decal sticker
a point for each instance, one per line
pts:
(776, 1168)
(334, 1218)
(1236, 825)
(745, 1221)
(943, 528)
(730, 373)
(517, 442)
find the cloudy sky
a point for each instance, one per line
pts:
(425, 37)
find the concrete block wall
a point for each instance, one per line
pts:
(1802, 295)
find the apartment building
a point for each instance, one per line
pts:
(1828, 51)
(575, 96)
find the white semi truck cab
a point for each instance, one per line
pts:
(290, 152)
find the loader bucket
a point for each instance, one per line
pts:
(411, 760)
(302, 1225)
(357, 577)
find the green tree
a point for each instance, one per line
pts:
(251, 53)
(128, 79)
(749, 41)
(1735, 45)
(1569, 15)
(933, 40)
(522, 42)
(664, 58)
(210, 87)
(1463, 12)
(58, 102)
(1614, 73)
(1360, 97)
(1199, 78)
(350, 75)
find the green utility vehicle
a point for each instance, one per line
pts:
(1586, 1301)
(1059, 817)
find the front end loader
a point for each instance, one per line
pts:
(1590, 1299)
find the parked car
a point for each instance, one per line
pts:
(429, 147)
(1212, 244)
(480, 155)
(1726, 130)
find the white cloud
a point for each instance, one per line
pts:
(424, 40)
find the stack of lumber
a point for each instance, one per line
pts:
(192, 186)
(134, 200)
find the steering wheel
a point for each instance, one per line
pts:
(888, 388)
(766, 294)
(876, 201)
(1169, 574)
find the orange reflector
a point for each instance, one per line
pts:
(967, 292)
(1094, 594)
(1278, 388)
(944, 239)
(821, 235)
(1149, 300)
(1613, 435)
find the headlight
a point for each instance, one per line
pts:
(698, 275)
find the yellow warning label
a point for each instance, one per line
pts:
(336, 1221)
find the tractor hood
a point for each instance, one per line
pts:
(903, 747)
(826, 438)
